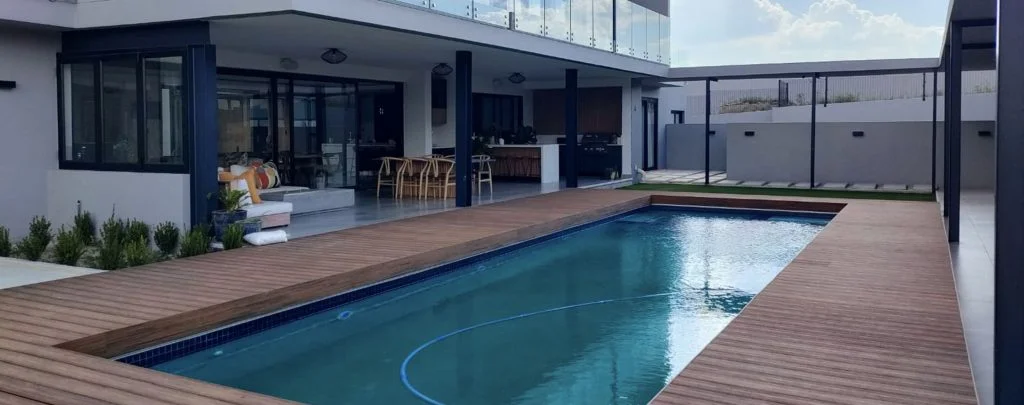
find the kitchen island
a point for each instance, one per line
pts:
(538, 162)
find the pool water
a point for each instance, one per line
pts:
(606, 315)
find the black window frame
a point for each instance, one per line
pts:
(141, 166)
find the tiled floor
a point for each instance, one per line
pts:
(369, 209)
(720, 178)
(973, 268)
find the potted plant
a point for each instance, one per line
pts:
(251, 225)
(231, 210)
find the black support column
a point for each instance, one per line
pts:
(945, 136)
(814, 122)
(707, 132)
(954, 94)
(571, 127)
(463, 128)
(935, 118)
(1009, 218)
(201, 76)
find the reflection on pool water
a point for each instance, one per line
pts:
(608, 315)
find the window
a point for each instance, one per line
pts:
(164, 112)
(79, 90)
(123, 112)
(678, 117)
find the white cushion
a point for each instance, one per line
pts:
(267, 208)
(266, 237)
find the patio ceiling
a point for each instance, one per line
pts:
(300, 36)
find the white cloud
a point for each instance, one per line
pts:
(826, 30)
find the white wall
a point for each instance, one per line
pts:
(417, 114)
(150, 197)
(28, 124)
(976, 107)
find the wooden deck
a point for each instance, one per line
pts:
(867, 313)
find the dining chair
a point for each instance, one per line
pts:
(483, 174)
(413, 177)
(441, 177)
(390, 174)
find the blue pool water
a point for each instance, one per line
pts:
(606, 315)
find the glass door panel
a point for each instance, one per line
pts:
(340, 128)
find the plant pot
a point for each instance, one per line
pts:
(221, 220)
(251, 226)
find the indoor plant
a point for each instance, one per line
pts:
(231, 210)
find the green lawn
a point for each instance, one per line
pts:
(794, 192)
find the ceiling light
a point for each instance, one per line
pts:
(333, 56)
(442, 69)
(289, 64)
(517, 78)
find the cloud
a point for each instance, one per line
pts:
(769, 32)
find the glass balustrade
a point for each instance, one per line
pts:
(581, 23)
(638, 20)
(604, 25)
(492, 11)
(557, 19)
(529, 16)
(619, 26)
(461, 8)
(653, 36)
(624, 28)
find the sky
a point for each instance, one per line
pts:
(739, 32)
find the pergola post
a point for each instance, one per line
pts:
(1009, 218)
(935, 117)
(707, 132)
(954, 94)
(814, 121)
(463, 128)
(571, 127)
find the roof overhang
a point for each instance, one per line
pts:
(978, 19)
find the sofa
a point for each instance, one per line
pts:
(271, 213)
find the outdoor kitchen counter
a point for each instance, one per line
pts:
(526, 161)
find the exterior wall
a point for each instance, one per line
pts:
(28, 125)
(889, 153)
(684, 146)
(976, 107)
(777, 152)
(150, 197)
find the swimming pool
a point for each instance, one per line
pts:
(608, 314)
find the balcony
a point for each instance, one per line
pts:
(622, 27)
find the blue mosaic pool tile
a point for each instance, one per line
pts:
(170, 351)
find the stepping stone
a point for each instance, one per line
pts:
(834, 186)
(864, 186)
(921, 187)
(805, 184)
(727, 182)
(778, 184)
(894, 187)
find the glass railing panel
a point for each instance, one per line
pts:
(492, 11)
(461, 8)
(666, 39)
(582, 23)
(653, 36)
(638, 20)
(421, 3)
(557, 19)
(604, 25)
(529, 16)
(623, 27)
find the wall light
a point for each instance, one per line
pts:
(442, 69)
